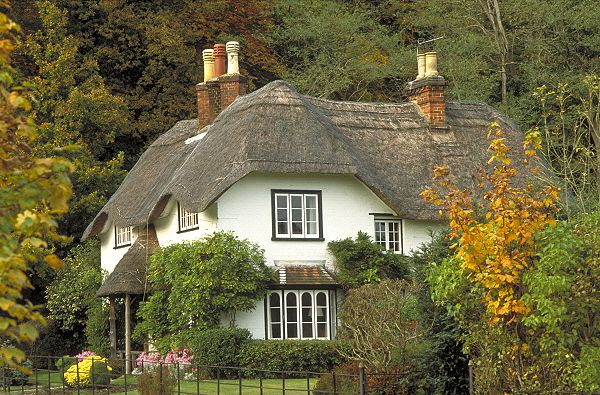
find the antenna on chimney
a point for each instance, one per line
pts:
(422, 42)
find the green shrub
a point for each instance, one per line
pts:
(219, 346)
(360, 261)
(290, 355)
(100, 375)
(156, 381)
(64, 363)
(15, 376)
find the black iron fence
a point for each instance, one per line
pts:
(60, 375)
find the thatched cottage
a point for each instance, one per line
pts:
(291, 173)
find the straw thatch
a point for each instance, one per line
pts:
(389, 147)
(129, 276)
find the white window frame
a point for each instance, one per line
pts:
(123, 236)
(386, 242)
(297, 319)
(187, 220)
(304, 196)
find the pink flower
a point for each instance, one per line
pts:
(84, 354)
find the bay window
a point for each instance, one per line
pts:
(298, 314)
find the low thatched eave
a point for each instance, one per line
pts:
(129, 276)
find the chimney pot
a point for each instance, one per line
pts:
(233, 50)
(209, 64)
(219, 56)
(431, 64)
(421, 65)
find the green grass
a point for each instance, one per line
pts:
(226, 387)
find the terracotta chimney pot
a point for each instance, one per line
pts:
(219, 56)
(233, 50)
(431, 64)
(209, 64)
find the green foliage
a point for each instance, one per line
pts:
(218, 346)
(196, 283)
(290, 355)
(361, 261)
(96, 328)
(64, 363)
(354, 58)
(34, 190)
(14, 376)
(345, 380)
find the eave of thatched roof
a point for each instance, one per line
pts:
(391, 148)
(129, 276)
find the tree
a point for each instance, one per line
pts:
(196, 283)
(33, 191)
(495, 246)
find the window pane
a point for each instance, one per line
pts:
(311, 214)
(311, 201)
(297, 228)
(321, 330)
(290, 299)
(296, 201)
(292, 331)
(311, 228)
(321, 299)
(307, 330)
(321, 314)
(276, 331)
(282, 228)
(306, 299)
(296, 215)
(275, 314)
(281, 201)
(274, 300)
(282, 215)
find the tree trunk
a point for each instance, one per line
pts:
(491, 9)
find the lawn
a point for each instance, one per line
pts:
(223, 387)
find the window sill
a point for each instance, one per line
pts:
(121, 246)
(297, 239)
(188, 230)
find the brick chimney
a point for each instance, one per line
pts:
(427, 90)
(219, 90)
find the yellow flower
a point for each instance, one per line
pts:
(84, 368)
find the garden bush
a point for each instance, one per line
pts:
(92, 370)
(290, 355)
(346, 380)
(16, 377)
(64, 363)
(219, 346)
(156, 381)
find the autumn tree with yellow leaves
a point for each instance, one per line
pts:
(495, 246)
(33, 191)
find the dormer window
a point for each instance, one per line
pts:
(122, 236)
(296, 215)
(187, 220)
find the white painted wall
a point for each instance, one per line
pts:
(347, 203)
(253, 320)
(167, 226)
(109, 255)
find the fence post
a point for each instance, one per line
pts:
(218, 382)
(125, 378)
(283, 383)
(35, 373)
(307, 384)
(260, 383)
(93, 378)
(49, 380)
(334, 383)
(160, 376)
(471, 378)
(178, 381)
(362, 379)
(198, 379)
(62, 374)
(240, 381)
(77, 370)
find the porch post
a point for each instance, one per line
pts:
(127, 334)
(112, 319)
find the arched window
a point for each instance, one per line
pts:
(322, 317)
(307, 315)
(291, 315)
(275, 316)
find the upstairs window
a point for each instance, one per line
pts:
(296, 215)
(122, 236)
(187, 220)
(388, 234)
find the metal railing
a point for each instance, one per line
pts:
(174, 378)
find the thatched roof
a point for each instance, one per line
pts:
(389, 147)
(129, 276)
